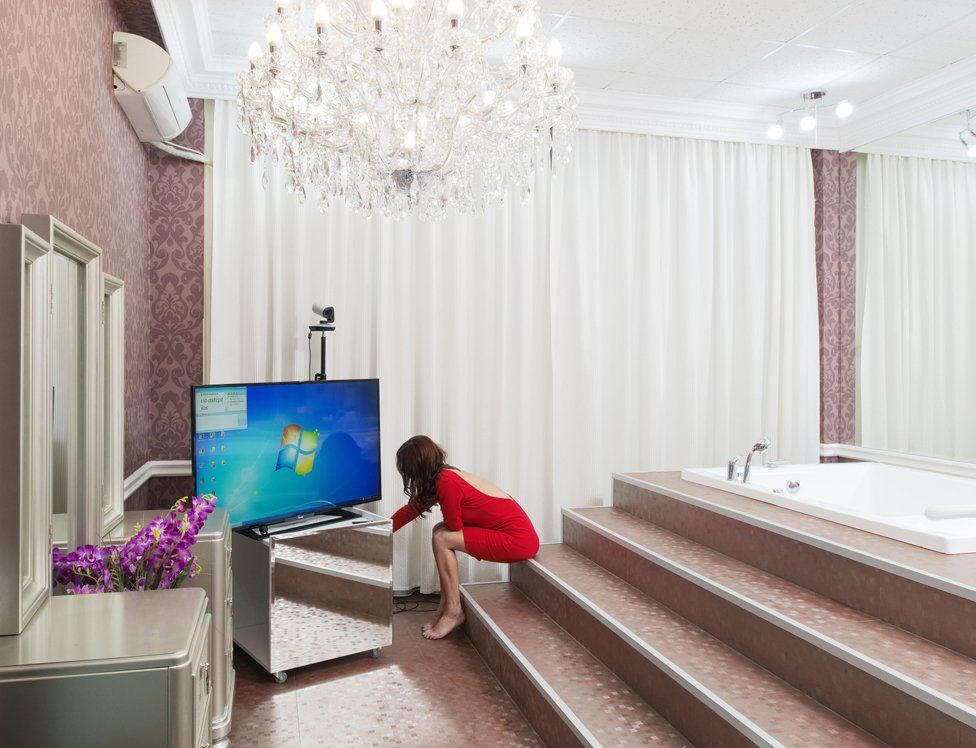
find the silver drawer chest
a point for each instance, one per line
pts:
(121, 669)
(213, 552)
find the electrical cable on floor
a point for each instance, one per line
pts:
(414, 602)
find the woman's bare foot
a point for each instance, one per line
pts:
(437, 616)
(445, 625)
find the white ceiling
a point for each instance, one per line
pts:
(757, 55)
(760, 51)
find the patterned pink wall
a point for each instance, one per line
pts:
(835, 182)
(67, 149)
(176, 218)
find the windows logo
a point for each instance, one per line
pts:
(297, 450)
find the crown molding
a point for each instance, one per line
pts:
(185, 29)
(617, 111)
(947, 91)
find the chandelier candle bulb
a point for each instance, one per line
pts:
(322, 19)
(523, 31)
(378, 12)
(274, 36)
(253, 53)
(455, 9)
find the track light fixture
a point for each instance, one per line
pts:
(967, 136)
(812, 104)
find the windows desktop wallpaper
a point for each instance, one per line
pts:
(273, 451)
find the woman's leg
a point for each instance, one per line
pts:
(445, 543)
(440, 606)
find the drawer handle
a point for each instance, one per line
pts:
(205, 674)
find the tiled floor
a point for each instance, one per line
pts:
(418, 693)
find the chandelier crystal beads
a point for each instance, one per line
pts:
(410, 107)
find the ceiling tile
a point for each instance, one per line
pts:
(735, 92)
(880, 77)
(586, 78)
(769, 20)
(955, 42)
(659, 85)
(798, 68)
(660, 13)
(704, 55)
(881, 26)
(556, 6)
(606, 45)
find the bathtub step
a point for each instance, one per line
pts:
(592, 705)
(930, 594)
(896, 685)
(712, 693)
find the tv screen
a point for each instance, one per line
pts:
(275, 451)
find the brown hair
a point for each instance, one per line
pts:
(419, 461)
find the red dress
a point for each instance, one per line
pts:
(495, 528)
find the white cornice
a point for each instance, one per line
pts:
(185, 29)
(947, 91)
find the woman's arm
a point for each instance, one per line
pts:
(403, 516)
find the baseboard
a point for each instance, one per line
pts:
(156, 469)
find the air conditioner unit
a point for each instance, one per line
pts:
(149, 88)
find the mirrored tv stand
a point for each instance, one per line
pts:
(315, 591)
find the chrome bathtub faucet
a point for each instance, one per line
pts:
(733, 461)
(760, 447)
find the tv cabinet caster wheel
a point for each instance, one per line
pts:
(280, 677)
(375, 653)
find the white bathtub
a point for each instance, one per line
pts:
(883, 499)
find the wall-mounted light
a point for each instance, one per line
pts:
(775, 131)
(808, 122)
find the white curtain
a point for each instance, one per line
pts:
(916, 295)
(652, 306)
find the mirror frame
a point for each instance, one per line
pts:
(26, 455)
(84, 519)
(113, 411)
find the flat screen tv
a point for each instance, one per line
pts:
(272, 452)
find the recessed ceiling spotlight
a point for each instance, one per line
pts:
(775, 131)
(844, 109)
(808, 122)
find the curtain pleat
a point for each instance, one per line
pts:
(916, 275)
(652, 306)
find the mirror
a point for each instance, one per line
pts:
(77, 298)
(916, 291)
(67, 366)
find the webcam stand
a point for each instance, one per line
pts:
(322, 328)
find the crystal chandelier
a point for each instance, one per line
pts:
(410, 108)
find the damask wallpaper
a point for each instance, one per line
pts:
(835, 184)
(176, 230)
(67, 149)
